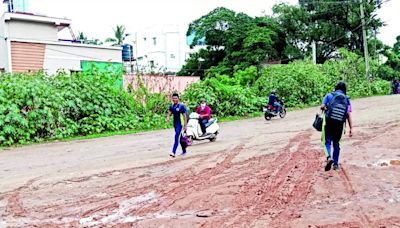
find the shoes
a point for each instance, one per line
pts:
(329, 163)
(335, 167)
(172, 155)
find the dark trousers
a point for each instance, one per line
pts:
(178, 130)
(331, 134)
(203, 123)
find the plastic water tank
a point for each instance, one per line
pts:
(127, 52)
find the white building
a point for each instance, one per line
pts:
(30, 43)
(161, 49)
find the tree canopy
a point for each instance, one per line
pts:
(119, 36)
(236, 41)
(331, 24)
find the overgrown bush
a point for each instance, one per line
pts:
(227, 96)
(301, 83)
(38, 107)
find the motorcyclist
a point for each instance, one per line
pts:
(273, 101)
(205, 114)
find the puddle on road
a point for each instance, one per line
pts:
(386, 162)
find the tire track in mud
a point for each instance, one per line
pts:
(364, 219)
(381, 223)
(187, 183)
(289, 184)
(124, 190)
(379, 129)
(285, 178)
(14, 204)
(169, 189)
(115, 192)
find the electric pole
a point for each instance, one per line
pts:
(366, 56)
(314, 52)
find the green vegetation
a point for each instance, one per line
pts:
(233, 39)
(38, 107)
(301, 83)
(119, 36)
(391, 68)
(236, 79)
(236, 40)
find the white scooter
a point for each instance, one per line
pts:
(194, 132)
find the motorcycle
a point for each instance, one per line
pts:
(270, 110)
(193, 131)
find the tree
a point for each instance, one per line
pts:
(200, 61)
(233, 41)
(333, 24)
(391, 68)
(84, 40)
(119, 36)
(82, 37)
(396, 46)
(94, 41)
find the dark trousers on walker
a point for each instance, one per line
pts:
(332, 134)
(178, 131)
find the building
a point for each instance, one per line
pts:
(30, 43)
(162, 49)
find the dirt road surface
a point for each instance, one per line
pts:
(257, 174)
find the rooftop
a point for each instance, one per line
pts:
(60, 23)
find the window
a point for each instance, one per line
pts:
(144, 38)
(151, 63)
(155, 41)
(172, 56)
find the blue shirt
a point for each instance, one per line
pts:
(272, 99)
(329, 97)
(177, 110)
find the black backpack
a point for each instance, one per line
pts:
(337, 108)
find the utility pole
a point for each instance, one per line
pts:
(314, 52)
(366, 57)
(130, 59)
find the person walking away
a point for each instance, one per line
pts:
(205, 114)
(337, 108)
(177, 109)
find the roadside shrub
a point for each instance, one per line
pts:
(225, 95)
(37, 107)
(301, 83)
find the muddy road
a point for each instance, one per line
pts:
(257, 174)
